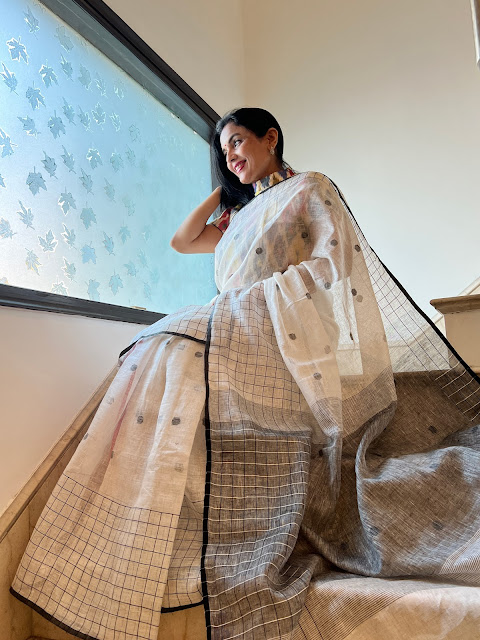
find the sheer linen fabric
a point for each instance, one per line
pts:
(301, 454)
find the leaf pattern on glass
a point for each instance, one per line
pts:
(115, 283)
(92, 290)
(115, 118)
(131, 269)
(67, 68)
(48, 75)
(56, 126)
(50, 165)
(42, 54)
(142, 257)
(130, 153)
(69, 111)
(94, 158)
(66, 201)
(35, 182)
(34, 97)
(88, 254)
(60, 288)
(68, 160)
(32, 22)
(26, 216)
(99, 115)
(29, 126)
(5, 229)
(6, 143)
(69, 269)
(85, 78)
(87, 217)
(129, 205)
(124, 234)
(84, 118)
(9, 78)
(116, 161)
(64, 39)
(108, 243)
(17, 50)
(109, 190)
(69, 236)
(87, 182)
(32, 262)
(48, 243)
(101, 86)
(119, 91)
(134, 132)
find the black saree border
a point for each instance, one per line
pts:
(208, 472)
(169, 333)
(422, 313)
(50, 618)
(79, 634)
(182, 607)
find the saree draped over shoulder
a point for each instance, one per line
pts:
(301, 455)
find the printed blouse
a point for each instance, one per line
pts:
(259, 186)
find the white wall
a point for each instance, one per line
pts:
(50, 366)
(51, 363)
(383, 97)
(201, 40)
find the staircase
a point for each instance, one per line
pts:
(462, 326)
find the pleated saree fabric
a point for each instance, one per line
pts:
(301, 455)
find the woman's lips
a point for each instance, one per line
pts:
(239, 166)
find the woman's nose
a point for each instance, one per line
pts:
(231, 155)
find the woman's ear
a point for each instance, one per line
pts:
(272, 137)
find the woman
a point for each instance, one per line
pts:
(251, 152)
(302, 453)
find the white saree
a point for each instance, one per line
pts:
(301, 455)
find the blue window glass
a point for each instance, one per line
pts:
(96, 173)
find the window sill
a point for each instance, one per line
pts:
(44, 301)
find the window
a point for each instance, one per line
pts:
(103, 151)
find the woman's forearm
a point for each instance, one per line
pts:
(195, 223)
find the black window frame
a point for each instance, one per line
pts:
(176, 95)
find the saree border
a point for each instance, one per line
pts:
(50, 618)
(406, 294)
(170, 333)
(208, 469)
(183, 606)
(79, 634)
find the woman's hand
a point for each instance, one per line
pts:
(194, 235)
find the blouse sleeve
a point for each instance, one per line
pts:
(223, 220)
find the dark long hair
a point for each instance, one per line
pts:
(259, 121)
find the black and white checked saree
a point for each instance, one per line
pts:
(301, 455)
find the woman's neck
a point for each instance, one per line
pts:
(274, 166)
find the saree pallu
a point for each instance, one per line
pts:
(301, 455)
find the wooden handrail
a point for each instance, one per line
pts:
(456, 304)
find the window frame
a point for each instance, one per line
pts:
(175, 96)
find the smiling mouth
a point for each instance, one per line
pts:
(238, 167)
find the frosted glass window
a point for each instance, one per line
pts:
(96, 173)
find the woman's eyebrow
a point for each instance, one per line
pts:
(229, 140)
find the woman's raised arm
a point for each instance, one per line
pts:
(194, 235)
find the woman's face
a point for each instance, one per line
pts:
(247, 156)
